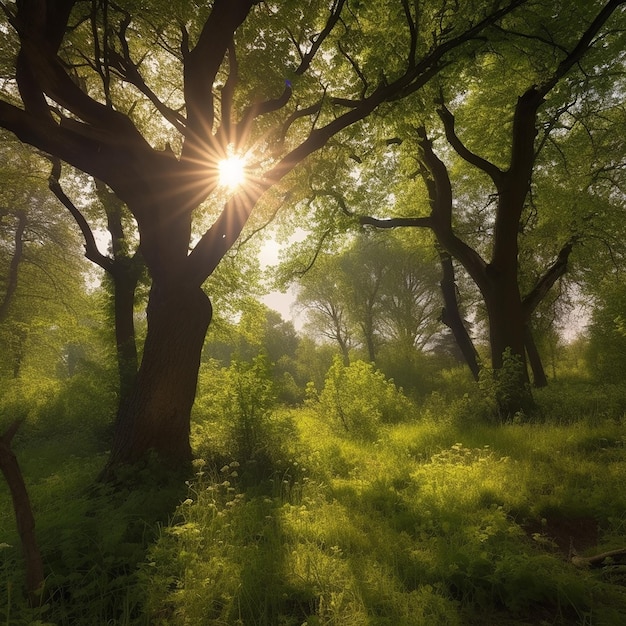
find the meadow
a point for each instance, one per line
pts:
(431, 515)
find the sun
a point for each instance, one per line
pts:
(232, 171)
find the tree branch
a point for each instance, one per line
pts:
(461, 149)
(130, 73)
(437, 181)
(550, 276)
(313, 109)
(582, 46)
(412, 32)
(91, 248)
(228, 91)
(39, 71)
(356, 68)
(202, 63)
(415, 77)
(242, 129)
(307, 57)
(318, 249)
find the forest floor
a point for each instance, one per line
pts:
(435, 521)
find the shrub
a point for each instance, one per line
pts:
(358, 398)
(502, 389)
(236, 417)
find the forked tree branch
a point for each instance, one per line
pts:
(130, 73)
(462, 150)
(532, 300)
(309, 55)
(202, 63)
(583, 45)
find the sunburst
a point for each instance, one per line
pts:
(232, 171)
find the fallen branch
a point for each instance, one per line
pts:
(600, 560)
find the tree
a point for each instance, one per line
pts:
(321, 293)
(124, 269)
(499, 277)
(150, 101)
(607, 332)
(376, 292)
(41, 273)
(410, 302)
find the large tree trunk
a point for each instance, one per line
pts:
(506, 335)
(156, 416)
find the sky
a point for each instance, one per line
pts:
(281, 302)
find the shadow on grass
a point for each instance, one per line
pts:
(266, 596)
(437, 534)
(92, 537)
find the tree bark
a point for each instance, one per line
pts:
(534, 359)
(506, 336)
(23, 516)
(157, 415)
(14, 265)
(506, 321)
(124, 275)
(451, 315)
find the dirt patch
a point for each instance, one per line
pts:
(564, 533)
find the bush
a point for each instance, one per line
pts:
(503, 390)
(83, 403)
(236, 418)
(569, 402)
(606, 352)
(358, 398)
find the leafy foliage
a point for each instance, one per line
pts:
(358, 399)
(421, 515)
(607, 346)
(503, 389)
(237, 418)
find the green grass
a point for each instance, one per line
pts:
(441, 520)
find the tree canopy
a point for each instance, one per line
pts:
(151, 99)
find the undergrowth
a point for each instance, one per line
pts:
(441, 518)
